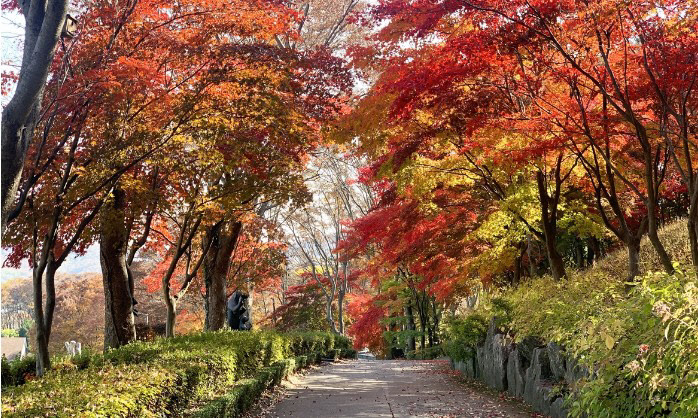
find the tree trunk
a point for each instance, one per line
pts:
(579, 253)
(42, 29)
(411, 327)
(651, 201)
(664, 257)
(43, 361)
(549, 221)
(222, 237)
(340, 311)
(328, 313)
(436, 320)
(593, 250)
(15, 141)
(633, 246)
(119, 326)
(171, 317)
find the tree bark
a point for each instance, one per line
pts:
(549, 220)
(43, 24)
(222, 238)
(652, 198)
(436, 317)
(411, 326)
(328, 315)
(340, 311)
(633, 246)
(171, 318)
(119, 324)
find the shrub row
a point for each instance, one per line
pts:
(243, 395)
(161, 377)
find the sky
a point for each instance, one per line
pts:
(88, 263)
(11, 34)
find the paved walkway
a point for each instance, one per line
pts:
(395, 388)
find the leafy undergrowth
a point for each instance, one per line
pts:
(161, 378)
(641, 343)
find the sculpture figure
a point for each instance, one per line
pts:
(236, 312)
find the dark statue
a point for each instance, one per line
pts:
(237, 314)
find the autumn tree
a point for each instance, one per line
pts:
(44, 26)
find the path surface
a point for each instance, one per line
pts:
(390, 388)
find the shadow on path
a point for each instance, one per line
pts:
(390, 388)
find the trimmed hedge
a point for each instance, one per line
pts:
(161, 377)
(236, 402)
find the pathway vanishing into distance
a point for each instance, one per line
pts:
(387, 388)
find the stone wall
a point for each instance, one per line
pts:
(530, 369)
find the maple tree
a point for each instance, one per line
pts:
(45, 25)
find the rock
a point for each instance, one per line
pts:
(527, 345)
(492, 358)
(467, 367)
(537, 389)
(558, 362)
(516, 373)
(557, 409)
(574, 371)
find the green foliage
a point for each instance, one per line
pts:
(243, 395)
(427, 353)
(464, 334)
(642, 344)
(653, 369)
(9, 332)
(160, 377)
(17, 371)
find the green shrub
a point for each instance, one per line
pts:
(428, 353)
(17, 371)
(160, 377)
(642, 344)
(238, 400)
(9, 332)
(651, 367)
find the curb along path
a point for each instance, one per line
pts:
(390, 388)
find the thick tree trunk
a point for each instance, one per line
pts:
(119, 326)
(222, 238)
(633, 247)
(15, 141)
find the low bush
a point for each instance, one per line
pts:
(18, 371)
(243, 395)
(428, 353)
(161, 377)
